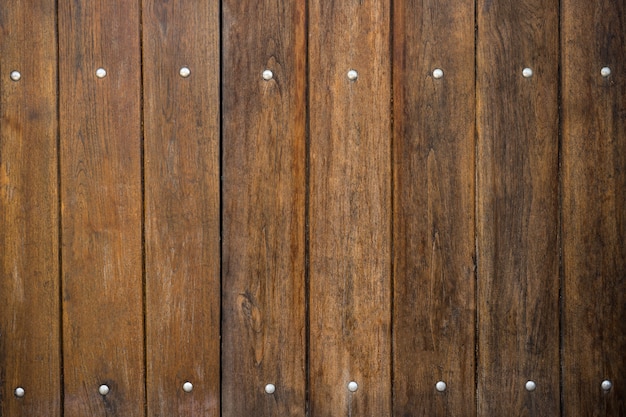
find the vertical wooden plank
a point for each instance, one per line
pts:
(594, 207)
(100, 126)
(263, 207)
(29, 260)
(182, 134)
(517, 208)
(350, 208)
(434, 150)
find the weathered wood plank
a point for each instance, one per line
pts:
(29, 238)
(263, 208)
(517, 208)
(434, 150)
(594, 207)
(350, 208)
(100, 127)
(181, 125)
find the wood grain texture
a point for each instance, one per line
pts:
(264, 158)
(100, 126)
(29, 238)
(182, 140)
(594, 207)
(350, 208)
(517, 208)
(434, 150)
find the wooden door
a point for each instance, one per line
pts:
(307, 208)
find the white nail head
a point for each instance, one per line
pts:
(19, 392)
(527, 72)
(607, 385)
(268, 75)
(353, 75)
(353, 386)
(16, 76)
(441, 386)
(605, 71)
(101, 73)
(187, 386)
(270, 388)
(531, 386)
(437, 73)
(103, 389)
(184, 72)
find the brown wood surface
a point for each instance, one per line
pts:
(350, 208)
(264, 145)
(517, 208)
(594, 207)
(434, 150)
(182, 219)
(100, 127)
(29, 238)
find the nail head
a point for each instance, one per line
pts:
(103, 389)
(605, 71)
(353, 75)
(101, 73)
(441, 386)
(270, 388)
(16, 76)
(531, 386)
(184, 72)
(607, 385)
(437, 73)
(527, 72)
(19, 392)
(353, 386)
(187, 386)
(268, 75)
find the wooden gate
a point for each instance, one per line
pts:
(312, 208)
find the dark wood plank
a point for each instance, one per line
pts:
(517, 208)
(100, 127)
(594, 207)
(263, 208)
(350, 208)
(181, 124)
(29, 238)
(434, 150)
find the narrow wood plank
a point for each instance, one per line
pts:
(182, 135)
(263, 208)
(517, 208)
(29, 238)
(350, 208)
(100, 126)
(594, 207)
(434, 246)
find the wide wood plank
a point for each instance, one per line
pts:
(29, 238)
(350, 208)
(517, 208)
(594, 207)
(182, 136)
(434, 149)
(100, 127)
(264, 158)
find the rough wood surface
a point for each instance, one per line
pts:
(594, 207)
(29, 254)
(350, 208)
(517, 208)
(100, 127)
(434, 150)
(264, 158)
(182, 219)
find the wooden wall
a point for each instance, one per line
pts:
(312, 208)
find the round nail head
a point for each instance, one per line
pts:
(527, 72)
(19, 392)
(605, 71)
(353, 386)
(437, 73)
(268, 75)
(270, 388)
(103, 389)
(184, 72)
(531, 386)
(187, 386)
(441, 386)
(607, 385)
(16, 76)
(101, 73)
(352, 76)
